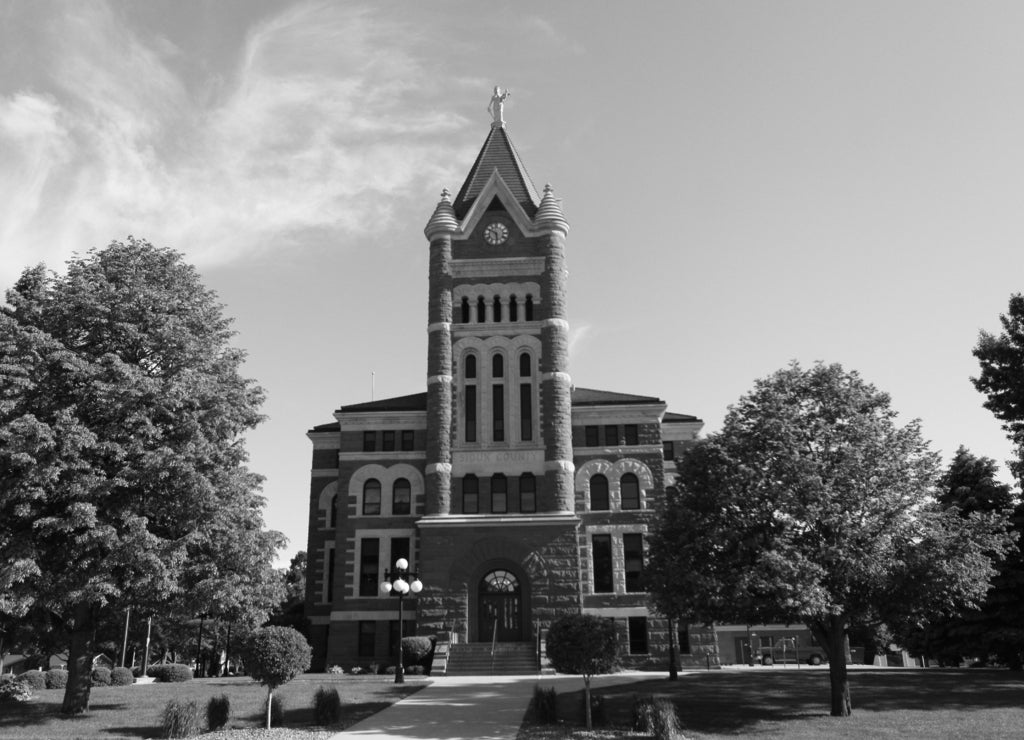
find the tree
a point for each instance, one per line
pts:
(274, 656)
(122, 415)
(1002, 376)
(583, 644)
(811, 505)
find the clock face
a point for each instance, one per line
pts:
(496, 233)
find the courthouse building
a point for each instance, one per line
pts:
(516, 495)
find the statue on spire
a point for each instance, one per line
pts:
(497, 106)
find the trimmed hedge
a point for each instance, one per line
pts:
(56, 678)
(418, 651)
(121, 676)
(35, 680)
(101, 676)
(170, 673)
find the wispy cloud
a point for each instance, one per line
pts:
(323, 123)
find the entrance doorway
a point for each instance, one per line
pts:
(500, 611)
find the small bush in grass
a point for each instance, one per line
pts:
(390, 670)
(218, 711)
(170, 673)
(14, 691)
(326, 706)
(121, 676)
(335, 670)
(357, 670)
(56, 678)
(415, 670)
(545, 704)
(180, 719)
(657, 717)
(101, 676)
(35, 680)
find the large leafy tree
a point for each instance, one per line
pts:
(1001, 358)
(812, 505)
(122, 415)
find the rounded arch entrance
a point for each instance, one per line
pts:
(500, 603)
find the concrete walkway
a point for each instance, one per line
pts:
(468, 708)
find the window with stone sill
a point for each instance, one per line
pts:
(527, 493)
(632, 434)
(590, 438)
(388, 441)
(371, 497)
(601, 555)
(401, 497)
(599, 493)
(637, 635)
(629, 488)
(470, 495)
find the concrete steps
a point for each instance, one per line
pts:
(509, 659)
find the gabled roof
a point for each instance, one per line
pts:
(591, 397)
(670, 417)
(497, 154)
(414, 402)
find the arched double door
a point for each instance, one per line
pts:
(500, 607)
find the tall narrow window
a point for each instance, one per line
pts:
(630, 488)
(497, 308)
(465, 310)
(601, 544)
(525, 365)
(401, 501)
(470, 495)
(408, 440)
(369, 567)
(527, 493)
(498, 401)
(684, 639)
(590, 436)
(499, 494)
(388, 440)
(528, 308)
(633, 557)
(632, 433)
(599, 493)
(332, 512)
(513, 309)
(367, 639)
(525, 412)
(400, 549)
(611, 435)
(497, 366)
(371, 497)
(637, 635)
(668, 450)
(481, 310)
(369, 441)
(329, 572)
(470, 411)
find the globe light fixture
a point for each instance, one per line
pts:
(400, 582)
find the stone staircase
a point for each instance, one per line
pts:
(509, 659)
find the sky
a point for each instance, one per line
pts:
(747, 183)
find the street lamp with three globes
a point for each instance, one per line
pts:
(401, 582)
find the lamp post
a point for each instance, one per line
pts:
(400, 583)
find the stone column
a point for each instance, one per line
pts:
(556, 404)
(439, 359)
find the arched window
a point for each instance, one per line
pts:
(481, 310)
(470, 366)
(465, 310)
(499, 581)
(599, 493)
(401, 497)
(332, 512)
(470, 495)
(371, 497)
(513, 309)
(528, 308)
(527, 493)
(630, 488)
(525, 366)
(497, 308)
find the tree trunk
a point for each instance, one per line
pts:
(80, 655)
(270, 701)
(831, 633)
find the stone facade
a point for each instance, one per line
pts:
(515, 495)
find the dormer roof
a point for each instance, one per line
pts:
(499, 154)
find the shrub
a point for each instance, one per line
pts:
(656, 717)
(274, 656)
(373, 668)
(122, 676)
(170, 673)
(416, 670)
(101, 676)
(56, 678)
(180, 719)
(358, 670)
(336, 670)
(390, 671)
(418, 651)
(35, 680)
(12, 690)
(326, 706)
(545, 705)
(218, 711)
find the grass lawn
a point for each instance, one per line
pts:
(786, 703)
(118, 712)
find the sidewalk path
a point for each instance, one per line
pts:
(467, 708)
